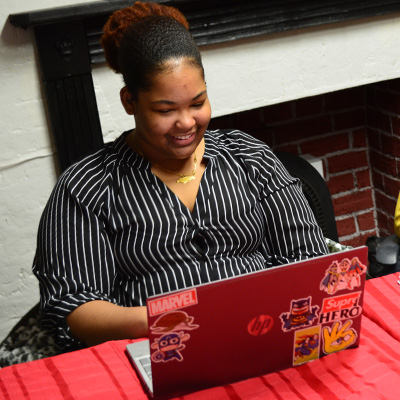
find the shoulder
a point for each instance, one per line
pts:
(234, 138)
(240, 145)
(95, 172)
(234, 147)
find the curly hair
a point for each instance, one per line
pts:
(139, 40)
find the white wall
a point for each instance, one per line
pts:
(240, 76)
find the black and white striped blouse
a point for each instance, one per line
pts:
(114, 231)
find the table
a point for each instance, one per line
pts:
(371, 371)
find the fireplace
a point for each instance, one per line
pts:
(356, 134)
(354, 131)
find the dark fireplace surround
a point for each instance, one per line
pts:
(67, 42)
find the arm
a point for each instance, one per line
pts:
(292, 231)
(99, 321)
(75, 265)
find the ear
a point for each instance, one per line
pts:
(127, 101)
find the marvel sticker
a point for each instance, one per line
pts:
(173, 321)
(172, 302)
(169, 346)
(171, 326)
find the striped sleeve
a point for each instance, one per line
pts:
(74, 262)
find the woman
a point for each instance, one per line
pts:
(169, 204)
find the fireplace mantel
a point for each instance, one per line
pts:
(67, 40)
(220, 21)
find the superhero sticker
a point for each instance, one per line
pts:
(173, 321)
(342, 275)
(172, 324)
(328, 326)
(306, 345)
(301, 313)
(172, 327)
(169, 347)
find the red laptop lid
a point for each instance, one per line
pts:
(255, 324)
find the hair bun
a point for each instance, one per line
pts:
(121, 20)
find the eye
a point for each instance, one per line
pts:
(197, 105)
(164, 111)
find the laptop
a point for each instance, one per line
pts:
(250, 325)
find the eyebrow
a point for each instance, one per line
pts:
(172, 102)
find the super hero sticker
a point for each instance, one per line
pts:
(169, 347)
(302, 313)
(306, 345)
(172, 327)
(342, 275)
(173, 321)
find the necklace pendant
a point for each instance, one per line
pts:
(186, 179)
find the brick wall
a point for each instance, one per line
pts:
(356, 134)
(383, 122)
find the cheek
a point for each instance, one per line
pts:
(156, 125)
(162, 127)
(205, 116)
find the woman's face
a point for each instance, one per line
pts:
(172, 117)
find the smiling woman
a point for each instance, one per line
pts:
(166, 206)
(172, 117)
(171, 120)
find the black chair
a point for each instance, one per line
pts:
(315, 190)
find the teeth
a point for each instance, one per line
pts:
(183, 137)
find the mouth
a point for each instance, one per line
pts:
(184, 137)
(183, 140)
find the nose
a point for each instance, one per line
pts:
(185, 121)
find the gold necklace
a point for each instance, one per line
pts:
(183, 178)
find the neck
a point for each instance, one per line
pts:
(179, 165)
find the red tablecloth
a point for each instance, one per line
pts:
(382, 303)
(371, 371)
